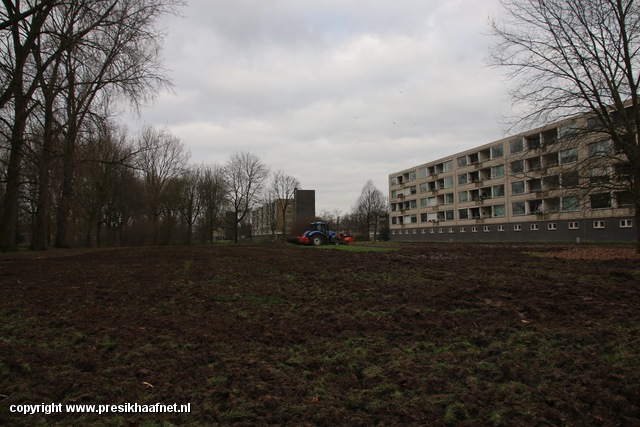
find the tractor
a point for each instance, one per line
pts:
(319, 234)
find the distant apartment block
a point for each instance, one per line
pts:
(549, 184)
(267, 220)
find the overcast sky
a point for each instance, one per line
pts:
(333, 92)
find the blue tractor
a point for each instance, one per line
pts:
(318, 234)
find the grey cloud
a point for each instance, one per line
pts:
(375, 86)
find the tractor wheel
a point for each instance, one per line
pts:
(317, 240)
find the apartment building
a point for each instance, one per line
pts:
(267, 220)
(554, 183)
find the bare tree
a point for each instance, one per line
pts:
(117, 52)
(212, 196)
(245, 176)
(19, 31)
(283, 187)
(264, 218)
(187, 195)
(103, 162)
(161, 158)
(568, 57)
(83, 51)
(370, 207)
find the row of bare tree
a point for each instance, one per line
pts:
(142, 189)
(63, 66)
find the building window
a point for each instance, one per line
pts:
(432, 231)
(412, 176)
(462, 230)
(497, 190)
(535, 227)
(517, 187)
(600, 148)
(626, 223)
(501, 228)
(517, 227)
(423, 217)
(423, 202)
(516, 146)
(414, 219)
(406, 232)
(497, 171)
(599, 177)
(448, 198)
(462, 179)
(535, 185)
(498, 211)
(423, 231)
(414, 231)
(624, 199)
(518, 208)
(568, 156)
(450, 230)
(423, 187)
(440, 230)
(570, 204)
(448, 182)
(517, 166)
(573, 225)
(600, 201)
(486, 229)
(393, 181)
(570, 179)
(463, 196)
(422, 172)
(448, 215)
(474, 229)
(497, 151)
(598, 224)
(463, 214)
(412, 189)
(447, 166)
(462, 161)
(552, 226)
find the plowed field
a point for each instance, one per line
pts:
(449, 334)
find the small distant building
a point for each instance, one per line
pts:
(305, 204)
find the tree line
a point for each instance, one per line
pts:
(64, 65)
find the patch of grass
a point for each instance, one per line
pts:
(455, 413)
(186, 266)
(262, 300)
(358, 248)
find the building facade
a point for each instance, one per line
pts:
(554, 183)
(267, 220)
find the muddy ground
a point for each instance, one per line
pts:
(249, 335)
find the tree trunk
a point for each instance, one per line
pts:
(636, 203)
(9, 225)
(40, 234)
(64, 205)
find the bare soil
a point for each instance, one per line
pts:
(449, 334)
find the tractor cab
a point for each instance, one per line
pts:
(319, 226)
